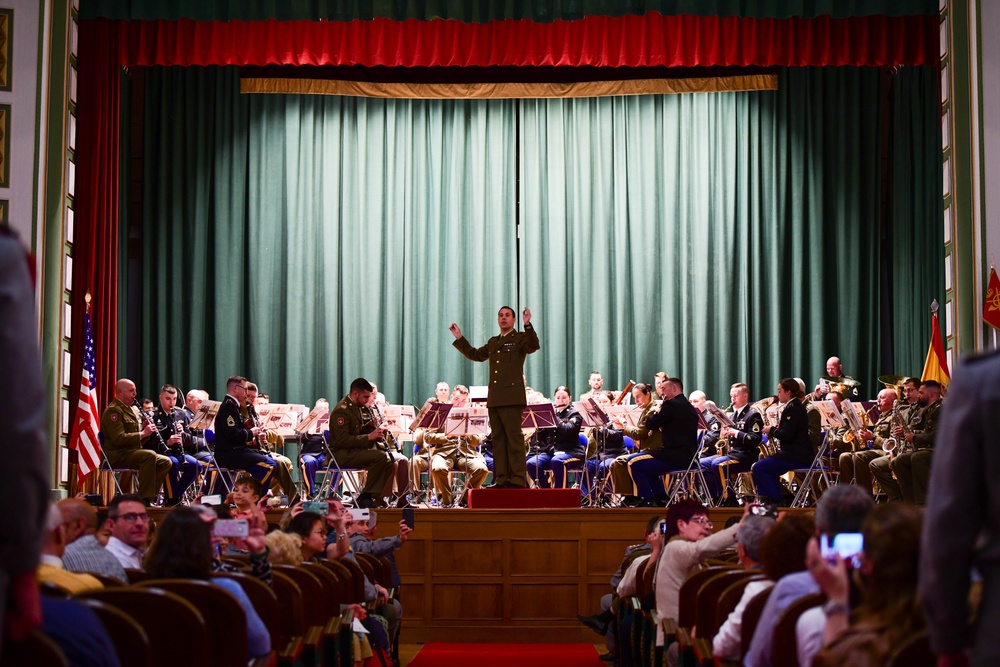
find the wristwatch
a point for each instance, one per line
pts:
(831, 607)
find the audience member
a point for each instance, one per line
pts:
(260, 566)
(183, 550)
(749, 535)
(284, 548)
(841, 509)
(84, 552)
(362, 537)
(311, 529)
(78, 632)
(50, 569)
(886, 575)
(129, 525)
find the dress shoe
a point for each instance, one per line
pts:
(595, 623)
(606, 657)
(365, 500)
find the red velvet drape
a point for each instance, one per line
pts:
(95, 251)
(599, 41)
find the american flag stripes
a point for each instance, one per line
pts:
(87, 423)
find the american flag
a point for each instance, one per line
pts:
(87, 424)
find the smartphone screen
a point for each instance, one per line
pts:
(408, 517)
(211, 500)
(846, 545)
(316, 506)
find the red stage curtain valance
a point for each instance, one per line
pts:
(599, 41)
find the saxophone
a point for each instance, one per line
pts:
(891, 445)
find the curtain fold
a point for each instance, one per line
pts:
(95, 252)
(601, 41)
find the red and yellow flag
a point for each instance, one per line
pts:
(936, 365)
(991, 304)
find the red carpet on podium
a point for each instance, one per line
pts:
(494, 655)
(509, 499)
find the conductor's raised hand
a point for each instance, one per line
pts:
(526, 316)
(455, 331)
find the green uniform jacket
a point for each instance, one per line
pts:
(882, 429)
(121, 427)
(506, 355)
(346, 431)
(924, 424)
(643, 440)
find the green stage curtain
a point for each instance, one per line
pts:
(304, 241)
(717, 237)
(323, 238)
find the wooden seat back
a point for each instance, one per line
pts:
(137, 576)
(707, 603)
(785, 653)
(313, 607)
(332, 594)
(370, 566)
(688, 596)
(357, 578)
(224, 617)
(109, 582)
(130, 640)
(263, 598)
(181, 641)
(291, 615)
(36, 650)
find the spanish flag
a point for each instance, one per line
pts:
(936, 365)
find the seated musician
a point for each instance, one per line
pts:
(677, 422)
(645, 439)
(171, 422)
(557, 446)
(455, 453)
(196, 445)
(399, 478)
(607, 443)
(904, 474)
(854, 464)
(740, 448)
(794, 449)
(125, 431)
(421, 461)
(283, 464)
(596, 381)
(312, 451)
(835, 376)
(357, 441)
(236, 444)
(709, 436)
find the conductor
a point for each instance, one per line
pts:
(506, 400)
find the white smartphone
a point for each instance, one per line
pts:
(847, 545)
(211, 500)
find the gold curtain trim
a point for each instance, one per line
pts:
(722, 84)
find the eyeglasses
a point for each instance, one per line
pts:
(703, 520)
(132, 517)
(319, 531)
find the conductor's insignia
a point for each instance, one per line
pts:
(756, 428)
(230, 421)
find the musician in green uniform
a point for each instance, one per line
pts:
(354, 439)
(506, 400)
(124, 432)
(854, 464)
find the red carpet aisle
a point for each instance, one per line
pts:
(496, 655)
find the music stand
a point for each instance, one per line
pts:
(593, 417)
(432, 416)
(463, 422)
(537, 416)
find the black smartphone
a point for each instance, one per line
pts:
(408, 517)
(94, 499)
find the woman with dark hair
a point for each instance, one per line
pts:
(687, 543)
(794, 448)
(311, 528)
(886, 575)
(556, 446)
(183, 550)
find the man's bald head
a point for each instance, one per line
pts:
(125, 391)
(79, 517)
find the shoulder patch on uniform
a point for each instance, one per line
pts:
(340, 421)
(756, 427)
(114, 416)
(230, 421)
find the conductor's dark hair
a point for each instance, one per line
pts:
(503, 308)
(361, 384)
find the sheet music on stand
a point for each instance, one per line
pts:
(539, 415)
(851, 415)
(720, 416)
(473, 420)
(591, 413)
(431, 416)
(279, 417)
(204, 417)
(831, 417)
(397, 419)
(308, 424)
(702, 424)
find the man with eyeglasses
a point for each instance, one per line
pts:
(234, 442)
(129, 524)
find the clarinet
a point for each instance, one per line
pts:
(149, 420)
(261, 442)
(390, 439)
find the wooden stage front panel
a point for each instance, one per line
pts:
(511, 575)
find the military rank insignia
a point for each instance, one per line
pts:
(114, 416)
(340, 421)
(230, 421)
(756, 428)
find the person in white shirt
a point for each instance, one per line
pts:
(749, 536)
(129, 525)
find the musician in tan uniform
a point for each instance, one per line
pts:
(506, 400)
(895, 473)
(645, 441)
(124, 433)
(353, 441)
(854, 464)
(455, 453)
